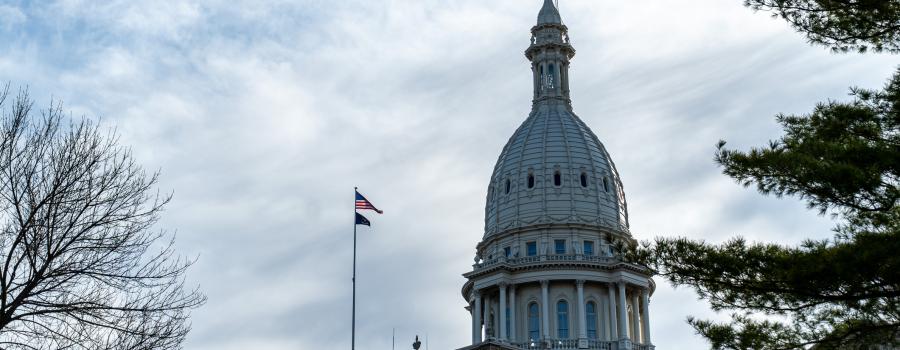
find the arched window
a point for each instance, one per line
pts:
(583, 179)
(507, 186)
(591, 314)
(550, 77)
(534, 322)
(530, 180)
(557, 179)
(605, 184)
(543, 78)
(562, 319)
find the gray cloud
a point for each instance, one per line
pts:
(264, 115)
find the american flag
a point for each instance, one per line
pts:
(363, 203)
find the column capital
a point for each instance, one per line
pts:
(502, 285)
(476, 293)
(545, 283)
(512, 287)
(579, 283)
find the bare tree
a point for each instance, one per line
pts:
(81, 266)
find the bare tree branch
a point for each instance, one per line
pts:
(82, 266)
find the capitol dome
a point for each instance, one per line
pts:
(554, 170)
(550, 271)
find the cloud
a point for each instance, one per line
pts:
(264, 115)
(12, 16)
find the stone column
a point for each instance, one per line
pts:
(635, 317)
(545, 309)
(512, 313)
(604, 326)
(645, 314)
(612, 312)
(623, 317)
(487, 316)
(476, 319)
(582, 318)
(503, 311)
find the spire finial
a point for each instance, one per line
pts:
(549, 54)
(549, 14)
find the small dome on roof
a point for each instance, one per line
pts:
(549, 14)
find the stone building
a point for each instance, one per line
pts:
(549, 272)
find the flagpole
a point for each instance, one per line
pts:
(353, 322)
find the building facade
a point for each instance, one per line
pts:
(549, 273)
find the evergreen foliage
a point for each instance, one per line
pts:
(842, 159)
(842, 25)
(844, 293)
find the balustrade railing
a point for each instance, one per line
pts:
(532, 345)
(600, 344)
(566, 344)
(549, 258)
(562, 257)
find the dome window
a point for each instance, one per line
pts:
(530, 180)
(557, 179)
(508, 185)
(531, 248)
(543, 78)
(551, 77)
(583, 179)
(559, 246)
(605, 184)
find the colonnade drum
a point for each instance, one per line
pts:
(562, 314)
(549, 272)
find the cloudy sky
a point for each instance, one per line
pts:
(263, 115)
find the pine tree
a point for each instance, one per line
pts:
(842, 25)
(843, 293)
(842, 159)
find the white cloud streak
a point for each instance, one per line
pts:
(263, 115)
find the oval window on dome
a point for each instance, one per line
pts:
(605, 185)
(530, 180)
(557, 179)
(583, 179)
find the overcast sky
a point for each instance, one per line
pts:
(263, 115)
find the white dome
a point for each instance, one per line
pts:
(553, 140)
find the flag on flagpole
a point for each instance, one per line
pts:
(363, 203)
(361, 220)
